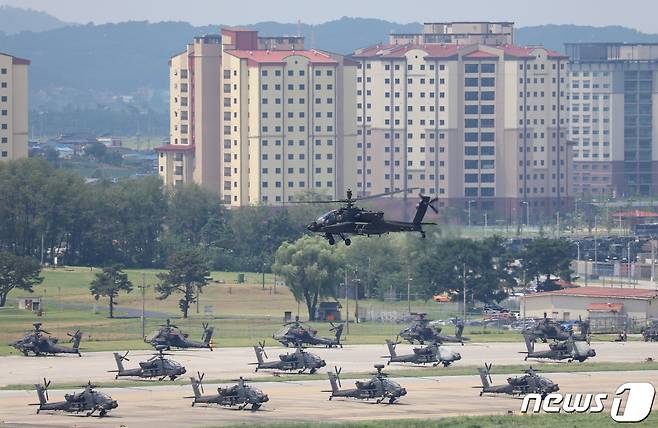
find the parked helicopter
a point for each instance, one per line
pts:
(650, 333)
(563, 350)
(421, 331)
(170, 336)
(547, 328)
(351, 220)
(529, 383)
(89, 400)
(40, 345)
(156, 366)
(240, 395)
(433, 353)
(298, 361)
(378, 387)
(298, 333)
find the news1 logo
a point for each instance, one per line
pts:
(636, 408)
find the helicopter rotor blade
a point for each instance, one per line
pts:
(337, 371)
(379, 195)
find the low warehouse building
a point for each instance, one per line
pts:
(594, 303)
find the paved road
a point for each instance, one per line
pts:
(164, 406)
(227, 363)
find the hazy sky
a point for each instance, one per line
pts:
(639, 14)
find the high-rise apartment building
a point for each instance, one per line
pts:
(478, 125)
(13, 107)
(612, 118)
(261, 119)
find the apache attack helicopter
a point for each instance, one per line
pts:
(351, 220)
(298, 361)
(170, 336)
(156, 366)
(299, 334)
(546, 329)
(237, 395)
(89, 401)
(378, 387)
(421, 331)
(529, 383)
(650, 333)
(433, 353)
(562, 350)
(40, 345)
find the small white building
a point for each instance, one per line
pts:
(592, 302)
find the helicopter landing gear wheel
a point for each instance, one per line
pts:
(330, 238)
(348, 242)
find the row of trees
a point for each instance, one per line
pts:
(313, 269)
(50, 213)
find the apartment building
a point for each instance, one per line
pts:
(611, 113)
(479, 126)
(13, 107)
(260, 120)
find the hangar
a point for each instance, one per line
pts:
(607, 305)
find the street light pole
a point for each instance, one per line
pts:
(470, 201)
(143, 290)
(408, 290)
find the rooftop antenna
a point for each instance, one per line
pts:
(299, 27)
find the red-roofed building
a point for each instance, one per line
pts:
(460, 112)
(569, 304)
(260, 120)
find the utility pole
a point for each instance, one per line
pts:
(347, 306)
(408, 289)
(143, 290)
(628, 246)
(42, 249)
(263, 275)
(469, 212)
(464, 278)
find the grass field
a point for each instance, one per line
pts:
(240, 313)
(562, 420)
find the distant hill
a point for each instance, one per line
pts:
(15, 20)
(122, 58)
(107, 67)
(555, 36)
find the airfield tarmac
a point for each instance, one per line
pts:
(164, 406)
(228, 363)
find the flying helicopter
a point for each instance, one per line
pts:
(40, 345)
(352, 220)
(378, 387)
(240, 395)
(299, 361)
(529, 383)
(433, 353)
(170, 336)
(156, 366)
(298, 333)
(563, 350)
(89, 400)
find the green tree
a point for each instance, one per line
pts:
(311, 269)
(17, 272)
(109, 283)
(547, 257)
(187, 274)
(440, 267)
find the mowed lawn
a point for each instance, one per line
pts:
(242, 314)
